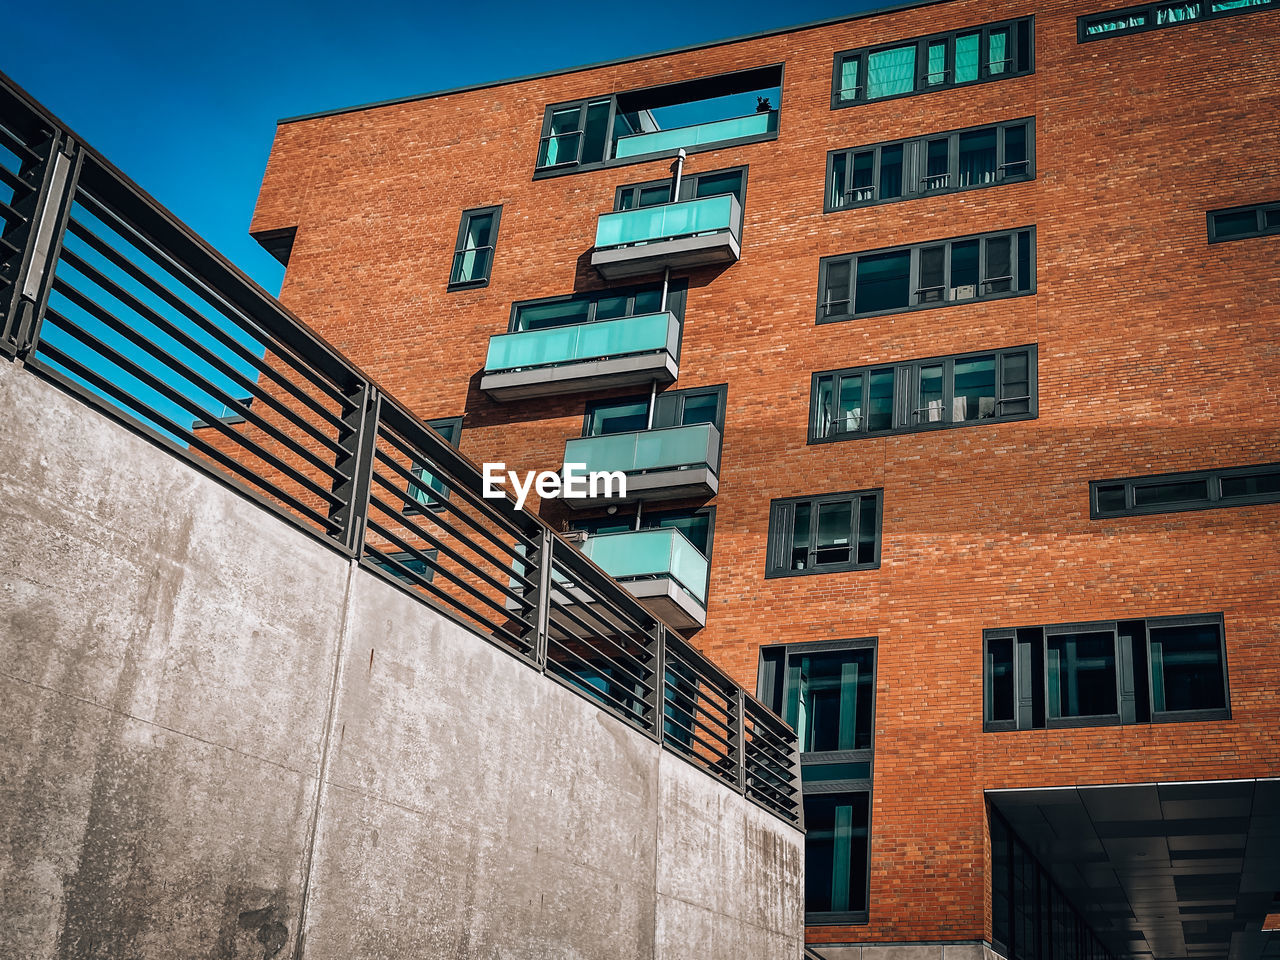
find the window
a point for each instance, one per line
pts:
(693, 186)
(935, 62)
(1125, 671)
(431, 492)
(1175, 492)
(1030, 916)
(925, 275)
(612, 304)
(1240, 223)
(702, 114)
(473, 255)
(936, 163)
(931, 394)
(826, 534)
(410, 568)
(673, 408)
(1152, 16)
(826, 691)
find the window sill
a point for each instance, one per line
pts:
(931, 428)
(849, 918)
(467, 285)
(837, 104)
(925, 196)
(815, 571)
(940, 305)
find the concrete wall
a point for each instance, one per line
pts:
(220, 739)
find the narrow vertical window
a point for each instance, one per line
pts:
(473, 254)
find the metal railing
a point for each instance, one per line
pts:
(107, 295)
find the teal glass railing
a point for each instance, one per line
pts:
(651, 553)
(698, 134)
(666, 221)
(577, 342)
(667, 448)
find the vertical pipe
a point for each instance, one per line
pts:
(677, 170)
(639, 510)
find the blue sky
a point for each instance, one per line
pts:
(184, 97)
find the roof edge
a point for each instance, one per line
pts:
(467, 88)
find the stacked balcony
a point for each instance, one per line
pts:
(718, 132)
(663, 464)
(676, 235)
(582, 356)
(661, 568)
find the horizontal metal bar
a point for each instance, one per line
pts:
(133, 407)
(14, 182)
(16, 144)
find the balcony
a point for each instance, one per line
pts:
(661, 568)
(685, 233)
(582, 356)
(663, 464)
(726, 132)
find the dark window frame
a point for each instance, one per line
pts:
(464, 224)
(771, 673)
(1213, 481)
(688, 184)
(921, 44)
(1149, 11)
(721, 390)
(914, 279)
(1133, 677)
(450, 428)
(915, 165)
(906, 386)
(659, 93)
(1260, 211)
(677, 293)
(781, 514)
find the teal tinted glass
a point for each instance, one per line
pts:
(880, 401)
(883, 282)
(967, 57)
(1186, 668)
(700, 408)
(539, 316)
(849, 86)
(891, 172)
(618, 417)
(713, 184)
(835, 852)
(849, 412)
(998, 52)
(891, 72)
(937, 66)
(828, 699)
(827, 772)
(696, 528)
(1081, 671)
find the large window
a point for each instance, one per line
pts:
(826, 534)
(934, 62)
(703, 114)
(693, 186)
(932, 164)
(1240, 223)
(473, 253)
(612, 304)
(926, 275)
(826, 691)
(940, 392)
(672, 408)
(1152, 16)
(1124, 671)
(1031, 918)
(430, 492)
(1195, 490)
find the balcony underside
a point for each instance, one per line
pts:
(603, 374)
(658, 485)
(664, 597)
(680, 253)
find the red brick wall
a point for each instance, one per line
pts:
(1157, 352)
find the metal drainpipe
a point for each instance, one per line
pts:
(677, 169)
(662, 308)
(639, 507)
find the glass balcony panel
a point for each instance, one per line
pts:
(697, 134)
(650, 224)
(651, 553)
(665, 448)
(585, 341)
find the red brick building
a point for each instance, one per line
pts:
(898, 372)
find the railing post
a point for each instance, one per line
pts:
(798, 782)
(545, 584)
(50, 208)
(740, 742)
(360, 438)
(660, 685)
